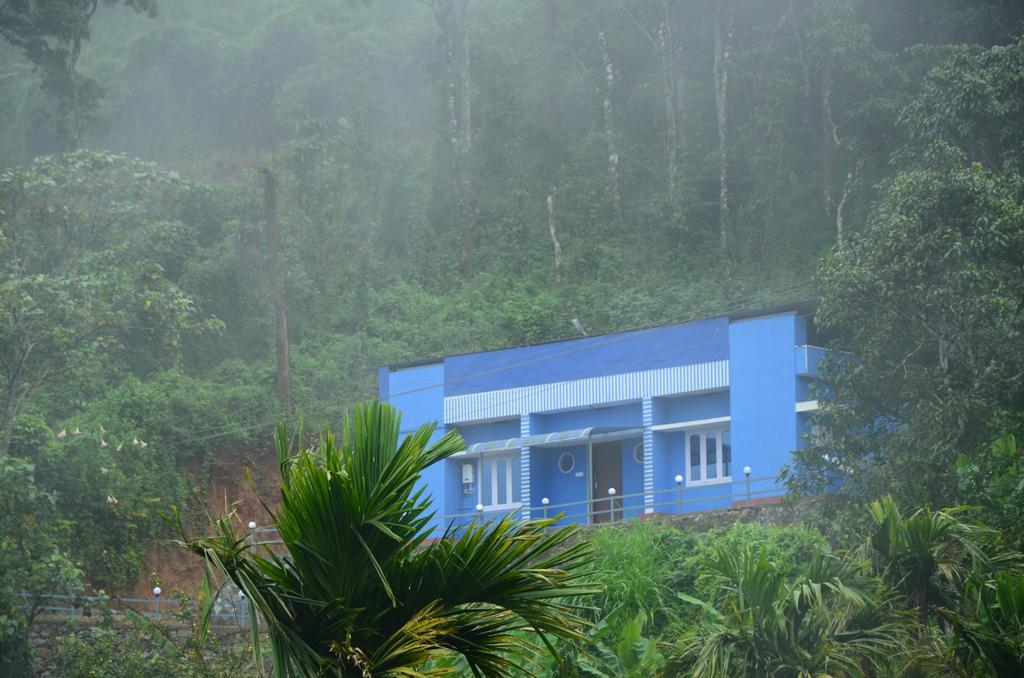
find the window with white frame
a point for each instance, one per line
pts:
(499, 481)
(708, 456)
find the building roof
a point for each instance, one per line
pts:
(804, 306)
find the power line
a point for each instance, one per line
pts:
(743, 303)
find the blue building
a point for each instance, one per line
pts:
(600, 428)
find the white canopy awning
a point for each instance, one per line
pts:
(559, 439)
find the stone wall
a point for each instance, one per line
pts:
(48, 629)
(806, 511)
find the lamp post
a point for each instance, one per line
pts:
(252, 532)
(679, 490)
(156, 594)
(611, 504)
(746, 473)
(544, 502)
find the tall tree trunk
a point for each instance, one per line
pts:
(805, 64)
(76, 52)
(550, 28)
(468, 236)
(666, 49)
(609, 127)
(831, 147)
(453, 19)
(465, 105)
(553, 228)
(829, 144)
(723, 47)
(284, 379)
(76, 108)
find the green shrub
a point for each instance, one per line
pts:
(790, 549)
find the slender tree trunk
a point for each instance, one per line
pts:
(609, 127)
(553, 228)
(465, 104)
(453, 19)
(831, 146)
(284, 379)
(76, 52)
(468, 237)
(851, 179)
(805, 64)
(9, 416)
(550, 28)
(446, 20)
(723, 47)
(76, 108)
(829, 142)
(666, 49)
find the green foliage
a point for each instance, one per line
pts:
(360, 590)
(31, 561)
(990, 626)
(927, 299)
(635, 567)
(78, 280)
(50, 35)
(617, 646)
(929, 556)
(995, 483)
(832, 621)
(973, 100)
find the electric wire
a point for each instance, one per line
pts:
(744, 303)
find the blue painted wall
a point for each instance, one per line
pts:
(668, 461)
(627, 415)
(690, 408)
(763, 393)
(418, 394)
(561, 488)
(632, 479)
(494, 430)
(694, 342)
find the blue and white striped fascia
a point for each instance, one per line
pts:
(524, 467)
(563, 395)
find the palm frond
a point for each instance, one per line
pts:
(358, 590)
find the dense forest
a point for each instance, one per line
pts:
(218, 215)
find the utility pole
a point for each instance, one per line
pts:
(284, 379)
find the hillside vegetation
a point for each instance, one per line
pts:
(402, 179)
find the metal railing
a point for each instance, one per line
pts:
(227, 611)
(615, 507)
(807, 359)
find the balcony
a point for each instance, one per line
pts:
(807, 360)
